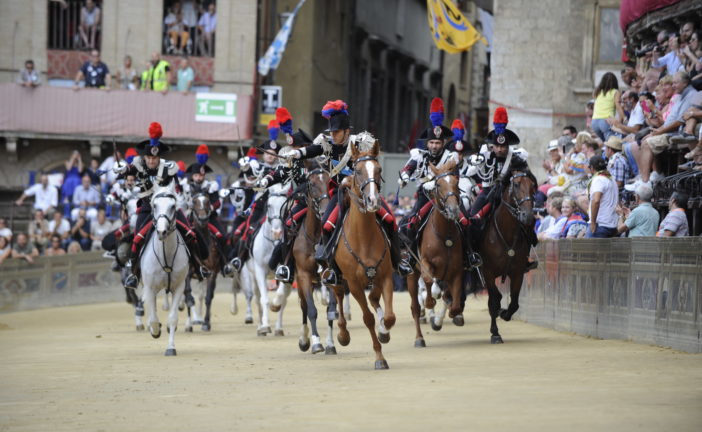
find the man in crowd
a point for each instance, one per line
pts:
(643, 220)
(60, 227)
(99, 229)
(28, 76)
(603, 201)
(94, 72)
(617, 164)
(85, 197)
(158, 76)
(675, 222)
(80, 231)
(185, 76)
(45, 195)
(206, 28)
(24, 249)
(5, 231)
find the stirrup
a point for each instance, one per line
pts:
(404, 268)
(236, 263)
(228, 270)
(131, 282)
(475, 260)
(282, 274)
(531, 265)
(205, 272)
(329, 277)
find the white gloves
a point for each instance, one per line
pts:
(429, 186)
(223, 193)
(119, 167)
(319, 140)
(404, 179)
(263, 183)
(476, 159)
(214, 187)
(109, 199)
(244, 163)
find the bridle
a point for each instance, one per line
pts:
(441, 199)
(360, 200)
(315, 201)
(205, 205)
(516, 210)
(170, 220)
(270, 217)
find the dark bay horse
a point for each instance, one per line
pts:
(440, 250)
(505, 246)
(317, 197)
(200, 216)
(363, 254)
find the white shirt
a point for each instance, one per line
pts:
(63, 228)
(606, 216)
(637, 116)
(6, 232)
(208, 22)
(43, 198)
(554, 231)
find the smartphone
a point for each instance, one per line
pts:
(644, 106)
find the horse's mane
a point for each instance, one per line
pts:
(449, 166)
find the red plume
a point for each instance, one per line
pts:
(457, 124)
(500, 115)
(273, 124)
(155, 130)
(251, 152)
(282, 115)
(202, 149)
(437, 105)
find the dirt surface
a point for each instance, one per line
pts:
(86, 368)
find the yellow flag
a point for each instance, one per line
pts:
(451, 31)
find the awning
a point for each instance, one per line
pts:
(631, 10)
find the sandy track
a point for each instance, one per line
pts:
(85, 368)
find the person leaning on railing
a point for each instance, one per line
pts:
(642, 221)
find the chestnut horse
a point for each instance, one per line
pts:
(505, 247)
(440, 250)
(317, 196)
(363, 254)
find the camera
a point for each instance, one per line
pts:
(540, 211)
(645, 49)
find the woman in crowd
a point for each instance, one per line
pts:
(5, 249)
(575, 225)
(607, 105)
(54, 248)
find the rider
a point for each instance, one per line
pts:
(337, 149)
(495, 165)
(254, 171)
(151, 171)
(199, 184)
(123, 191)
(437, 152)
(282, 259)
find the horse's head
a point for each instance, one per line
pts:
(519, 196)
(367, 176)
(202, 208)
(277, 196)
(238, 196)
(318, 190)
(446, 193)
(163, 207)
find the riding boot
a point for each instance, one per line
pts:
(402, 266)
(227, 269)
(200, 271)
(132, 279)
(320, 249)
(533, 241)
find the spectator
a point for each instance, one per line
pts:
(60, 227)
(54, 248)
(576, 164)
(127, 76)
(686, 32)
(617, 164)
(72, 179)
(554, 164)
(185, 76)
(607, 105)
(99, 229)
(570, 131)
(109, 178)
(643, 220)
(24, 249)
(5, 231)
(630, 101)
(80, 231)
(89, 24)
(575, 225)
(93, 171)
(589, 109)
(206, 28)
(38, 230)
(189, 15)
(659, 139)
(672, 60)
(158, 75)
(5, 249)
(554, 229)
(85, 197)
(28, 76)
(177, 30)
(94, 72)
(74, 248)
(675, 222)
(603, 201)
(45, 195)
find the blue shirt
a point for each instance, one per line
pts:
(91, 195)
(94, 74)
(643, 221)
(671, 62)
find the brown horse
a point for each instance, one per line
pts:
(202, 209)
(505, 247)
(317, 196)
(363, 254)
(440, 250)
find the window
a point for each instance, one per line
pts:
(609, 47)
(189, 27)
(74, 24)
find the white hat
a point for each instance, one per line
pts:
(553, 144)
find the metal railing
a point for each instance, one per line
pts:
(64, 26)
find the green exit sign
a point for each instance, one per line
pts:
(215, 107)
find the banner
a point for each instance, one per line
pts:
(450, 30)
(274, 54)
(215, 107)
(271, 100)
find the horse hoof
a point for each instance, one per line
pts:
(181, 308)
(419, 343)
(248, 320)
(140, 327)
(170, 352)
(330, 350)
(261, 332)
(274, 308)
(155, 335)
(504, 315)
(458, 321)
(206, 327)
(304, 346)
(434, 326)
(496, 339)
(384, 337)
(381, 364)
(198, 322)
(267, 329)
(279, 332)
(344, 339)
(317, 348)
(188, 329)
(423, 320)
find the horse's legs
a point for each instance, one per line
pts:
(343, 337)
(173, 320)
(494, 298)
(282, 296)
(312, 315)
(332, 314)
(347, 306)
(455, 288)
(304, 340)
(150, 302)
(386, 319)
(138, 313)
(515, 286)
(245, 280)
(211, 286)
(368, 319)
(260, 281)
(437, 321)
(236, 287)
(413, 288)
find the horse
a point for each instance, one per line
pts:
(200, 215)
(255, 269)
(164, 260)
(504, 246)
(364, 257)
(317, 196)
(440, 252)
(238, 200)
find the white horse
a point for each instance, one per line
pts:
(164, 263)
(238, 200)
(255, 269)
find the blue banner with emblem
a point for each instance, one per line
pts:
(274, 54)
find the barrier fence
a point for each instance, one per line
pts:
(647, 290)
